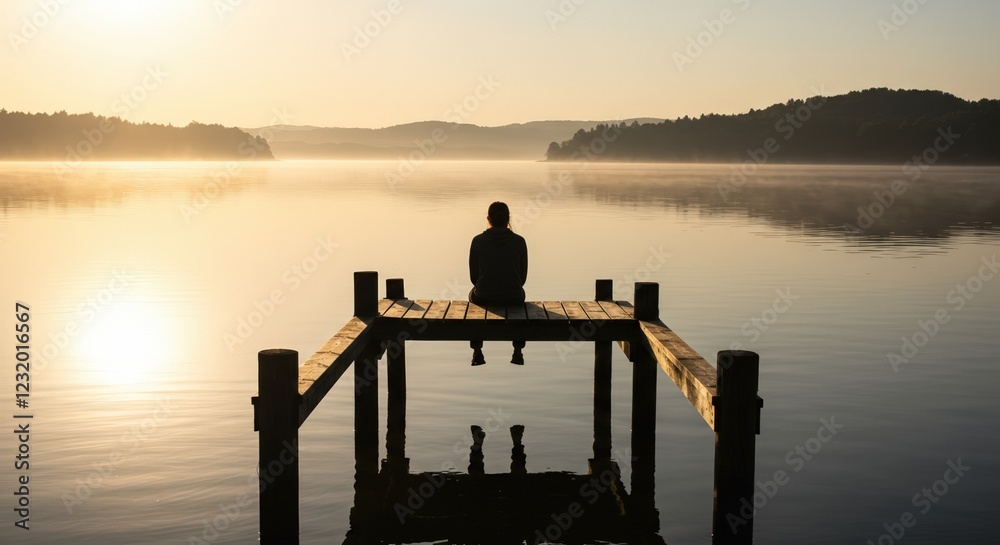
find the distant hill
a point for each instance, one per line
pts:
(524, 141)
(72, 138)
(872, 126)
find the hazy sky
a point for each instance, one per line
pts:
(335, 63)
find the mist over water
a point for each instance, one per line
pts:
(168, 274)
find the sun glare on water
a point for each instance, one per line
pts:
(126, 343)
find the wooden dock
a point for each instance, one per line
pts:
(725, 396)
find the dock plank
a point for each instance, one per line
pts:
(325, 367)
(437, 310)
(555, 310)
(627, 307)
(398, 309)
(384, 305)
(456, 310)
(594, 310)
(536, 311)
(495, 312)
(574, 311)
(615, 312)
(475, 312)
(694, 376)
(516, 312)
(417, 309)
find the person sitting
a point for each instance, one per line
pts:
(498, 268)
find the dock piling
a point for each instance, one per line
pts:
(644, 373)
(395, 439)
(604, 291)
(736, 417)
(278, 471)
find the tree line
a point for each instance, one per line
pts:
(865, 127)
(80, 137)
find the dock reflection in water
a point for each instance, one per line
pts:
(397, 506)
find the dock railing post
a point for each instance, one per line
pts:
(395, 437)
(278, 462)
(604, 291)
(366, 380)
(736, 412)
(644, 372)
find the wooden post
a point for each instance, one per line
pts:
(604, 291)
(644, 372)
(395, 440)
(365, 294)
(366, 380)
(394, 289)
(647, 301)
(366, 411)
(278, 456)
(736, 411)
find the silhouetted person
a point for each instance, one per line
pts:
(498, 267)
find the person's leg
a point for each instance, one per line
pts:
(517, 358)
(475, 345)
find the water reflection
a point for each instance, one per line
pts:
(397, 506)
(811, 200)
(818, 200)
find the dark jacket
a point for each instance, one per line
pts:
(498, 265)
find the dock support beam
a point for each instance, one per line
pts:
(736, 417)
(395, 349)
(366, 380)
(278, 462)
(602, 386)
(644, 373)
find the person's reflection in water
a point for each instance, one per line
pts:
(476, 466)
(518, 460)
(498, 268)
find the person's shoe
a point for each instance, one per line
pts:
(517, 358)
(478, 358)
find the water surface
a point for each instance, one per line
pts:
(142, 428)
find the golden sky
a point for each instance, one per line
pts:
(376, 63)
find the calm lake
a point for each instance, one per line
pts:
(148, 282)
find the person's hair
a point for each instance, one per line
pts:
(499, 215)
